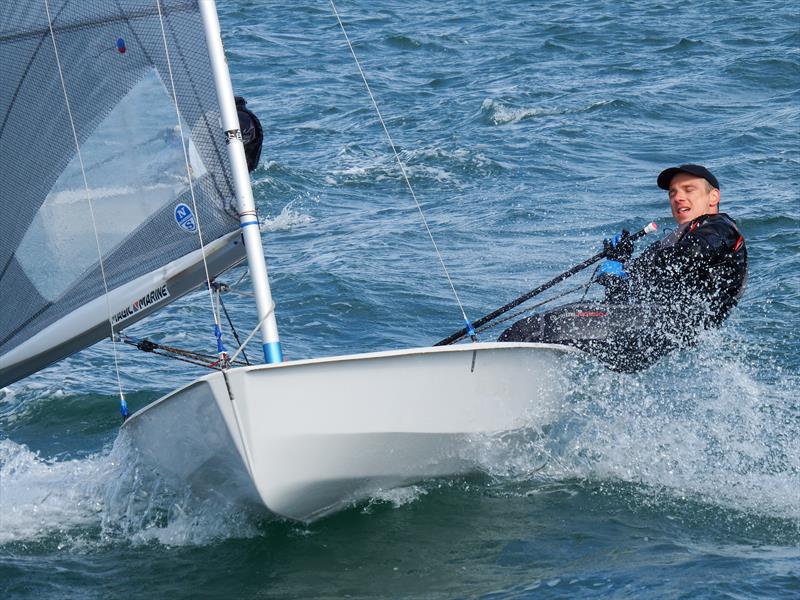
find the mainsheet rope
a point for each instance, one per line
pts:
(123, 405)
(403, 171)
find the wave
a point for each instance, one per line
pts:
(403, 42)
(683, 45)
(442, 165)
(499, 113)
(287, 219)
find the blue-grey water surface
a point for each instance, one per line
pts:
(530, 131)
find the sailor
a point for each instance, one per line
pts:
(698, 272)
(252, 133)
(664, 298)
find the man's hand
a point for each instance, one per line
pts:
(610, 270)
(612, 276)
(620, 247)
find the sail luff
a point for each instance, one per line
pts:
(248, 217)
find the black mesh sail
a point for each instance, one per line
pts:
(118, 67)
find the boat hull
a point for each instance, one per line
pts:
(307, 438)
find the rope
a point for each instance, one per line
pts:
(210, 361)
(591, 280)
(533, 307)
(123, 405)
(403, 171)
(186, 158)
(252, 333)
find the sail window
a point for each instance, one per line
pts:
(134, 166)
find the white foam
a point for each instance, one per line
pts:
(421, 172)
(105, 498)
(397, 497)
(501, 114)
(701, 425)
(418, 164)
(287, 219)
(38, 497)
(7, 395)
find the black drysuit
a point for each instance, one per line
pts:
(252, 133)
(696, 274)
(677, 287)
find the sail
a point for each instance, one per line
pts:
(144, 186)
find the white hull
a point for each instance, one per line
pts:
(306, 438)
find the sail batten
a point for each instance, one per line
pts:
(118, 84)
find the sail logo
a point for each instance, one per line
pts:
(149, 299)
(184, 217)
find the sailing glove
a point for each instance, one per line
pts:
(610, 269)
(620, 247)
(612, 276)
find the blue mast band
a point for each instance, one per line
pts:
(273, 352)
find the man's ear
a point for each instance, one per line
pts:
(714, 203)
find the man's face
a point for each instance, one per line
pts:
(690, 197)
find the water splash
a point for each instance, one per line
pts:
(702, 425)
(108, 498)
(396, 497)
(286, 220)
(39, 498)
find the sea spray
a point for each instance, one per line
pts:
(40, 497)
(702, 425)
(106, 498)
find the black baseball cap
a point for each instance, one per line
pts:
(666, 175)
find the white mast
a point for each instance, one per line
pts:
(248, 220)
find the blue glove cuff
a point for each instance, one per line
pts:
(612, 268)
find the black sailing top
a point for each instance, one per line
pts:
(697, 273)
(252, 133)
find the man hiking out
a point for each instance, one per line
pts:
(661, 300)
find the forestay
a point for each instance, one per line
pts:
(118, 93)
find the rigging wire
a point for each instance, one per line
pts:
(123, 405)
(252, 333)
(470, 329)
(219, 288)
(217, 331)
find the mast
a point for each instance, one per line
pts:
(248, 220)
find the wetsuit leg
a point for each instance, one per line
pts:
(529, 329)
(624, 337)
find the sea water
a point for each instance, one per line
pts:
(530, 131)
